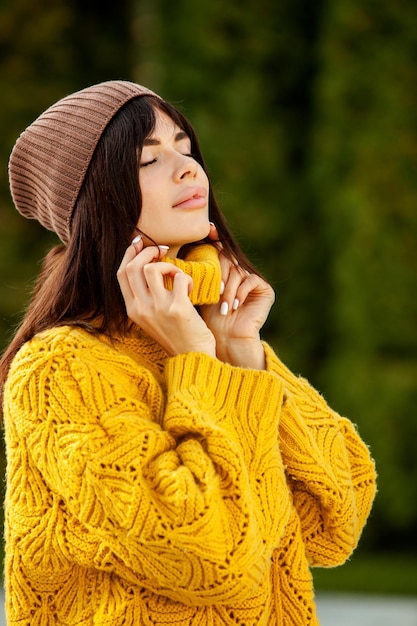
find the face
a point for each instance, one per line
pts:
(174, 188)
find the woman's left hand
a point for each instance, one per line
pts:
(237, 319)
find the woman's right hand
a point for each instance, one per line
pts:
(168, 316)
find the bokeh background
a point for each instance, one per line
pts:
(307, 115)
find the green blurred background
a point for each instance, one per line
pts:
(307, 115)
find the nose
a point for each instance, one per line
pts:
(186, 167)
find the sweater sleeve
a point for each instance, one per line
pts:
(174, 506)
(330, 470)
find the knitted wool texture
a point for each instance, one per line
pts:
(49, 161)
(147, 490)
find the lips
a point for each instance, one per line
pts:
(192, 197)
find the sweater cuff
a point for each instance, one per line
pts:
(244, 398)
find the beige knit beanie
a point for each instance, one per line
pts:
(50, 158)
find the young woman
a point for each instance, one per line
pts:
(164, 466)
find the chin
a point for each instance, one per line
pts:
(198, 235)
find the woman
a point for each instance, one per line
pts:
(164, 466)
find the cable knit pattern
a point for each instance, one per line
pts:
(146, 490)
(326, 462)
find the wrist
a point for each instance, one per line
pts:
(242, 352)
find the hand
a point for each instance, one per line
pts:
(167, 316)
(238, 318)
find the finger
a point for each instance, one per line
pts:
(131, 252)
(214, 237)
(213, 233)
(156, 274)
(137, 243)
(230, 298)
(122, 277)
(163, 251)
(250, 283)
(182, 283)
(256, 286)
(130, 274)
(225, 266)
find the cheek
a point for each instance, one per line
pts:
(145, 186)
(151, 191)
(152, 213)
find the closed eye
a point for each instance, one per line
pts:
(146, 163)
(154, 160)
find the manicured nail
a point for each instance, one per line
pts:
(136, 239)
(163, 249)
(224, 308)
(235, 304)
(213, 224)
(221, 287)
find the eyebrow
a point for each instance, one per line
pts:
(180, 136)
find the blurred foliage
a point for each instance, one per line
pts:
(382, 573)
(307, 117)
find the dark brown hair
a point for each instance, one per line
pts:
(77, 284)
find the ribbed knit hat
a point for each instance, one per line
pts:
(49, 161)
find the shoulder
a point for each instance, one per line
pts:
(69, 349)
(65, 341)
(74, 371)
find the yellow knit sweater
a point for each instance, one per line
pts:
(146, 490)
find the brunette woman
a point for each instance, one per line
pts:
(164, 465)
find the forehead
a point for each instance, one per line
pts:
(165, 131)
(165, 127)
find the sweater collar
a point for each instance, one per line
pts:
(203, 265)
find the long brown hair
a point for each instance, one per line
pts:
(77, 284)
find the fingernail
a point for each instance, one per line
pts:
(224, 308)
(163, 249)
(221, 287)
(136, 240)
(213, 224)
(235, 304)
